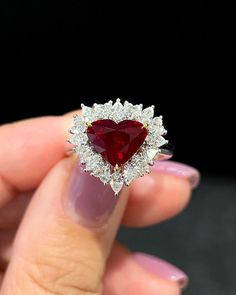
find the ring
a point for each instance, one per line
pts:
(118, 142)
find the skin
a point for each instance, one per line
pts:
(51, 252)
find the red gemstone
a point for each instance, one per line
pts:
(117, 143)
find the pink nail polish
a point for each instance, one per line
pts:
(90, 201)
(178, 169)
(161, 268)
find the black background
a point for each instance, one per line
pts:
(179, 56)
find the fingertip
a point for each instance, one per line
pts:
(162, 268)
(179, 170)
(122, 265)
(176, 193)
(156, 197)
(29, 149)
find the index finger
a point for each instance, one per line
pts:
(29, 149)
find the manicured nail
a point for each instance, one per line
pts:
(178, 169)
(90, 201)
(161, 268)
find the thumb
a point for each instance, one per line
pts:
(66, 235)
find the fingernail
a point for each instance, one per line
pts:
(178, 169)
(90, 201)
(161, 268)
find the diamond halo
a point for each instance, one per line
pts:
(139, 163)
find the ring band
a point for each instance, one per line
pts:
(166, 152)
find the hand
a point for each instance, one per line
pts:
(65, 242)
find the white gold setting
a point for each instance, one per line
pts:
(139, 163)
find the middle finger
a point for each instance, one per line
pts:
(161, 194)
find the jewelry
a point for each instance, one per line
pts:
(118, 142)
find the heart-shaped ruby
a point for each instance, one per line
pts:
(117, 143)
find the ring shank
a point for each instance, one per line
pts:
(164, 155)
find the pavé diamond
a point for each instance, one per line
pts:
(130, 172)
(93, 163)
(103, 173)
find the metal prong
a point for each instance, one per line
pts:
(88, 124)
(117, 167)
(164, 132)
(70, 151)
(73, 150)
(145, 125)
(70, 131)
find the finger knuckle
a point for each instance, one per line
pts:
(66, 267)
(59, 276)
